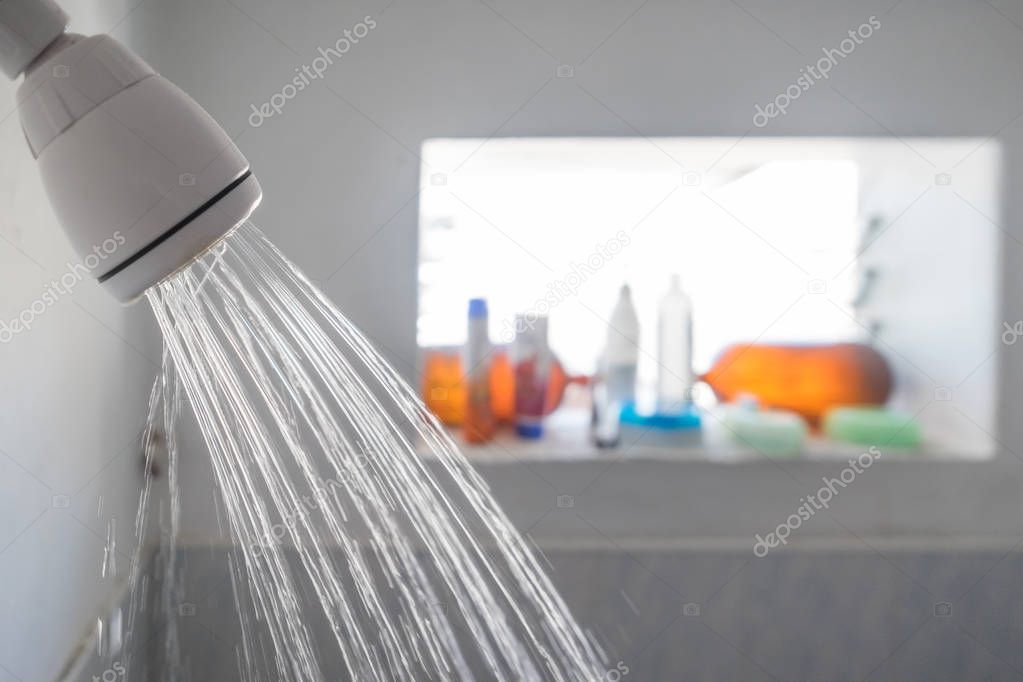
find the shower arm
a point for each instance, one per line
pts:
(142, 179)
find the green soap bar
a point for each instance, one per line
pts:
(772, 432)
(872, 426)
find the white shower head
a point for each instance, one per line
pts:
(142, 179)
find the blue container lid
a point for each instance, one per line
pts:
(531, 431)
(477, 307)
(688, 418)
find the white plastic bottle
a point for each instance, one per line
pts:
(674, 349)
(622, 354)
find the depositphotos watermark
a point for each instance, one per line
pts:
(62, 286)
(615, 674)
(307, 73)
(1013, 332)
(811, 74)
(111, 674)
(811, 504)
(560, 290)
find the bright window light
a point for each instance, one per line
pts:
(558, 226)
(777, 240)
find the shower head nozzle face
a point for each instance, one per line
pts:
(136, 170)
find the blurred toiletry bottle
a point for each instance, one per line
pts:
(674, 350)
(479, 424)
(604, 422)
(808, 379)
(532, 359)
(622, 354)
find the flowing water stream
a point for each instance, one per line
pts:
(365, 545)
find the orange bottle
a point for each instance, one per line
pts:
(808, 379)
(443, 387)
(502, 386)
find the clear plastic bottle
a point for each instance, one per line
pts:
(674, 350)
(622, 355)
(532, 358)
(604, 418)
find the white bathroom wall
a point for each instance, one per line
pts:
(339, 162)
(74, 391)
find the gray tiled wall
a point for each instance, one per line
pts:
(722, 615)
